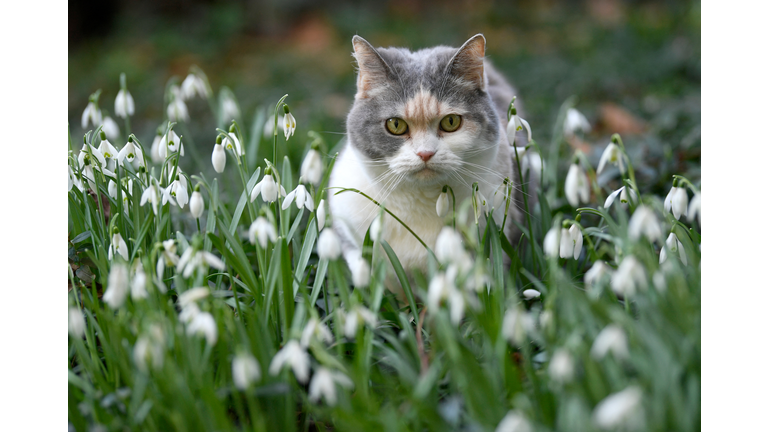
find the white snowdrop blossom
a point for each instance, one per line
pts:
(91, 115)
(376, 228)
(449, 249)
(117, 286)
(530, 294)
(566, 243)
(501, 194)
(149, 348)
(620, 410)
(231, 143)
(676, 202)
(551, 244)
(623, 195)
(302, 197)
(480, 205)
(229, 109)
(644, 223)
(315, 329)
(694, 208)
(323, 385)
(112, 189)
(73, 180)
(130, 152)
(328, 245)
(628, 277)
(442, 288)
(561, 367)
(611, 339)
(95, 153)
(108, 150)
(192, 295)
(196, 204)
(596, 273)
(168, 257)
(312, 167)
(192, 85)
(357, 317)
(262, 230)
(268, 189)
(515, 125)
(245, 370)
(176, 192)
(516, 323)
(193, 259)
(118, 246)
(673, 245)
(321, 215)
(139, 284)
(152, 195)
(218, 158)
(577, 240)
(293, 355)
(124, 104)
(442, 204)
(289, 125)
(204, 324)
(514, 421)
(177, 110)
(575, 121)
(76, 322)
(532, 163)
(170, 143)
(576, 186)
(361, 271)
(612, 154)
(110, 128)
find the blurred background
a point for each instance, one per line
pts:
(633, 66)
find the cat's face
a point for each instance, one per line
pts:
(422, 116)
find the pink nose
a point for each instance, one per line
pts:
(425, 155)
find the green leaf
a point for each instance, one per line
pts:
(402, 278)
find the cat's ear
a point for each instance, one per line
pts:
(467, 63)
(374, 73)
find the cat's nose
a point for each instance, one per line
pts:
(425, 155)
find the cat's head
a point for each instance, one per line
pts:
(422, 115)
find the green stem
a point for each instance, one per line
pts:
(527, 211)
(274, 131)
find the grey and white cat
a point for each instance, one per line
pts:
(421, 120)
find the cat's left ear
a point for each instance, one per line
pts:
(467, 63)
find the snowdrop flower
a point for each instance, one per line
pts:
(178, 191)
(112, 189)
(229, 109)
(130, 152)
(375, 228)
(232, 144)
(480, 204)
(552, 242)
(358, 316)
(611, 339)
(442, 288)
(196, 204)
(168, 257)
(177, 110)
(76, 323)
(107, 149)
(514, 326)
(312, 166)
(289, 123)
(629, 277)
(577, 240)
(515, 125)
(531, 294)
(124, 104)
(674, 245)
(623, 195)
(442, 203)
(118, 246)
(501, 195)
(194, 258)
(644, 223)
(204, 324)
(361, 271)
(694, 208)
(303, 198)
(328, 245)
(151, 195)
(659, 281)
(576, 186)
(170, 143)
(622, 409)
(321, 215)
(449, 249)
(566, 243)
(323, 385)
(218, 158)
(575, 121)
(315, 329)
(110, 128)
(676, 201)
(293, 355)
(262, 230)
(596, 273)
(514, 422)
(561, 367)
(612, 154)
(245, 370)
(154, 151)
(532, 163)
(117, 286)
(73, 180)
(192, 295)
(267, 188)
(193, 84)
(139, 285)
(149, 347)
(91, 115)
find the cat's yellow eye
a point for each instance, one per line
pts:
(397, 126)
(450, 123)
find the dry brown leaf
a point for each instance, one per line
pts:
(618, 120)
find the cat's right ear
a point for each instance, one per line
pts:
(373, 72)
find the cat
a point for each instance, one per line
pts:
(421, 120)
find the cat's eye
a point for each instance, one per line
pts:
(397, 126)
(450, 123)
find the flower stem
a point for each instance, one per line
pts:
(527, 212)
